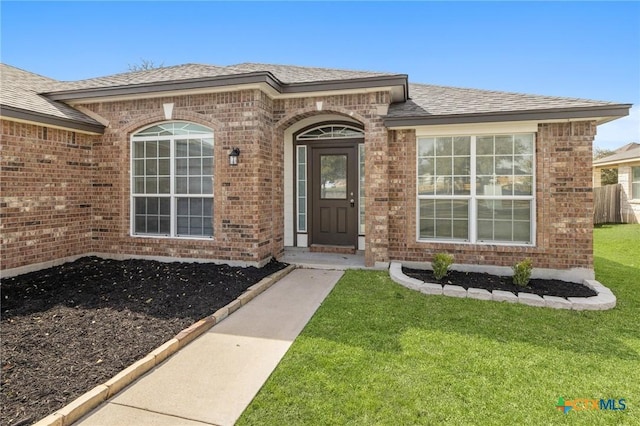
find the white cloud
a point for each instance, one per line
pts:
(619, 132)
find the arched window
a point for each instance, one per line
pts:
(331, 132)
(172, 181)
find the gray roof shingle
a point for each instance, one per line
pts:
(21, 90)
(431, 100)
(629, 152)
(289, 74)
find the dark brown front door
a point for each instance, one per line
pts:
(334, 195)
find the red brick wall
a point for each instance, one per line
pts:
(564, 204)
(67, 194)
(46, 189)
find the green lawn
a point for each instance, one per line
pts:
(377, 353)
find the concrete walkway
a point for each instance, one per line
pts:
(212, 380)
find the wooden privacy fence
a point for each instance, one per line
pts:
(606, 207)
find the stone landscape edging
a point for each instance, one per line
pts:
(86, 402)
(604, 300)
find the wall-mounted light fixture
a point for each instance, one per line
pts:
(233, 156)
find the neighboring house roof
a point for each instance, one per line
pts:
(431, 104)
(413, 104)
(626, 154)
(20, 99)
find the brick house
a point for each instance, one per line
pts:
(140, 165)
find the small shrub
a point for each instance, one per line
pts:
(522, 272)
(440, 264)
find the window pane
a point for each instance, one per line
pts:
(444, 228)
(153, 224)
(426, 186)
(165, 206)
(523, 144)
(140, 225)
(444, 186)
(443, 166)
(484, 165)
(523, 164)
(151, 167)
(195, 185)
(207, 166)
(502, 230)
(522, 210)
(462, 186)
(522, 232)
(182, 148)
(207, 185)
(138, 150)
(181, 185)
(151, 185)
(151, 149)
(485, 230)
(444, 146)
(333, 177)
(164, 168)
(181, 167)
(504, 165)
(462, 145)
(426, 147)
(138, 184)
(164, 149)
(460, 209)
(138, 167)
(504, 145)
(195, 148)
(183, 206)
(484, 145)
(635, 190)
(462, 166)
(153, 206)
(195, 166)
(426, 167)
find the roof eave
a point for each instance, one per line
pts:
(600, 163)
(20, 114)
(611, 112)
(232, 80)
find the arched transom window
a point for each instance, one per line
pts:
(331, 132)
(172, 180)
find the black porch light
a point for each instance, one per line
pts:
(233, 156)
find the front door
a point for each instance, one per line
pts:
(334, 195)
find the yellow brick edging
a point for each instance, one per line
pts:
(86, 402)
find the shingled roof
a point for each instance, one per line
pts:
(430, 104)
(20, 98)
(415, 104)
(627, 153)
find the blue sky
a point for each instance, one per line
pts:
(576, 49)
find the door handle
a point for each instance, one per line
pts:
(353, 202)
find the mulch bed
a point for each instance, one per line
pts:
(67, 329)
(493, 282)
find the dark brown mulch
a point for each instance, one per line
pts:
(493, 282)
(69, 328)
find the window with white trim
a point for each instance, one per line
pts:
(477, 189)
(172, 181)
(635, 183)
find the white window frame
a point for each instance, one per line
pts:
(172, 195)
(473, 197)
(633, 182)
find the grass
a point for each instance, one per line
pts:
(377, 353)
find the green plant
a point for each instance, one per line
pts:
(440, 264)
(522, 272)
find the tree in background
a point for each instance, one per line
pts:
(144, 65)
(608, 176)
